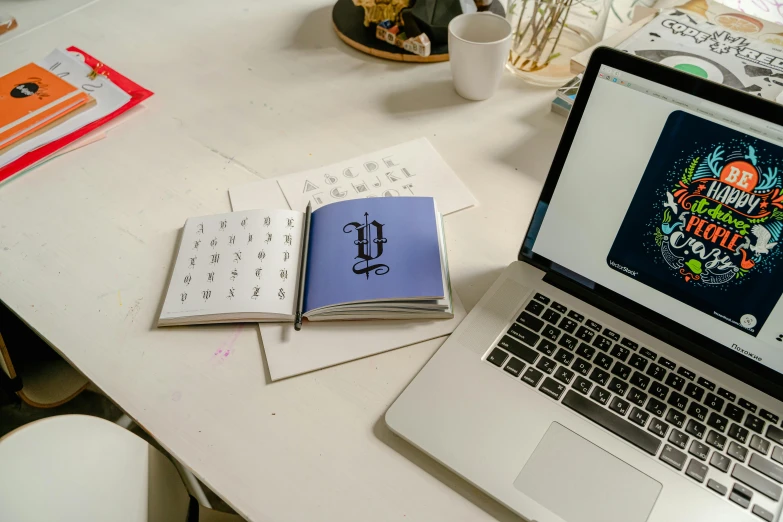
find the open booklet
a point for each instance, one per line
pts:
(370, 258)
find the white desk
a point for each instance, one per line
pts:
(244, 90)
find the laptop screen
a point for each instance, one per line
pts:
(674, 202)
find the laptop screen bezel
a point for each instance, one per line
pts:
(697, 345)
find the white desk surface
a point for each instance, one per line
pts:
(245, 90)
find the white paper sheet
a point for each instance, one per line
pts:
(411, 169)
(108, 98)
(322, 344)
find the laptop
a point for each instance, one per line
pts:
(627, 367)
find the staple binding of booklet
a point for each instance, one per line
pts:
(370, 258)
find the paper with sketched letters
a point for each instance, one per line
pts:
(411, 169)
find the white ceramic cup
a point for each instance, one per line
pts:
(478, 51)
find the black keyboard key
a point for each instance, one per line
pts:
(602, 343)
(701, 381)
(775, 433)
(695, 429)
(777, 454)
(738, 497)
(582, 385)
(739, 433)
(638, 416)
(698, 410)
(604, 361)
(747, 405)
(648, 353)
(585, 334)
(497, 357)
(621, 370)
(532, 376)
(585, 351)
(685, 372)
(581, 366)
(658, 427)
(675, 381)
(621, 352)
(541, 298)
(675, 417)
(714, 402)
(568, 325)
(677, 400)
(656, 407)
(595, 326)
(717, 487)
(637, 397)
(610, 421)
(617, 386)
(619, 406)
(567, 341)
(656, 372)
(560, 308)
(768, 415)
(736, 451)
(694, 391)
(564, 356)
(576, 316)
(546, 365)
(766, 467)
(760, 445)
(599, 376)
(515, 367)
(673, 457)
(659, 390)
(633, 345)
(726, 394)
(716, 440)
(551, 316)
(518, 349)
(614, 336)
(564, 375)
(720, 461)
(719, 422)
(534, 307)
(696, 470)
(762, 513)
(667, 363)
(546, 347)
(638, 362)
(639, 380)
(530, 321)
(734, 412)
(679, 439)
(754, 480)
(699, 450)
(550, 332)
(552, 388)
(754, 423)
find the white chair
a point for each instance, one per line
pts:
(85, 469)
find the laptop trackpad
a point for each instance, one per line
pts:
(580, 482)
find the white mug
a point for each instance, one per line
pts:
(478, 50)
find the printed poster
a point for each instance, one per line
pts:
(706, 221)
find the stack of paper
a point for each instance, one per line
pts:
(48, 105)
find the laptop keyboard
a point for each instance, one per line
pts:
(684, 420)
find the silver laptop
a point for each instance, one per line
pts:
(627, 367)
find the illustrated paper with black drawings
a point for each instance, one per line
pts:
(705, 225)
(377, 258)
(410, 169)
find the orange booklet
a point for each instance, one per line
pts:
(32, 97)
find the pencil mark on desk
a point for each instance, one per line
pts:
(229, 158)
(131, 234)
(134, 310)
(119, 297)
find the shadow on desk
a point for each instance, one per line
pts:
(534, 151)
(447, 477)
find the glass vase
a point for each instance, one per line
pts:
(547, 33)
